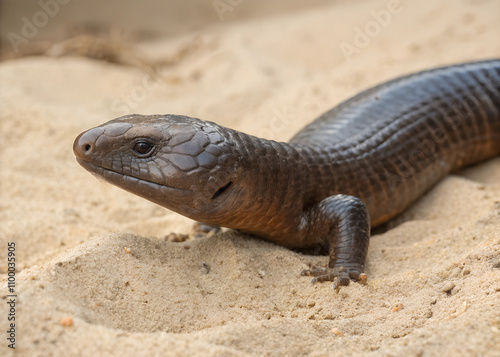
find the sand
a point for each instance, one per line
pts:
(95, 274)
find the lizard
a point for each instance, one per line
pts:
(355, 167)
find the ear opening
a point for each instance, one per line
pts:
(220, 190)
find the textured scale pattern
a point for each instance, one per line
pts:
(404, 135)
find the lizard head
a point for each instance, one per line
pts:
(182, 163)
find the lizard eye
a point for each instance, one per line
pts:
(143, 147)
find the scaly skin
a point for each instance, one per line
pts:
(356, 166)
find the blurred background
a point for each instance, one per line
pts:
(51, 21)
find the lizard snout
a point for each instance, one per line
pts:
(85, 143)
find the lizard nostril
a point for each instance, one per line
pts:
(85, 143)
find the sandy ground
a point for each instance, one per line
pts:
(95, 275)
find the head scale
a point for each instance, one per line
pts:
(182, 163)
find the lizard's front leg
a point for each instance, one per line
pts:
(341, 222)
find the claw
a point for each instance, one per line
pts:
(200, 230)
(340, 276)
(363, 279)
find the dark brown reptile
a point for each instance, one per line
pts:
(359, 164)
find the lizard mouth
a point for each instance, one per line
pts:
(176, 199)
(129, 183)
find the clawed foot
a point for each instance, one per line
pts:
(341, 276)
(201, 230)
